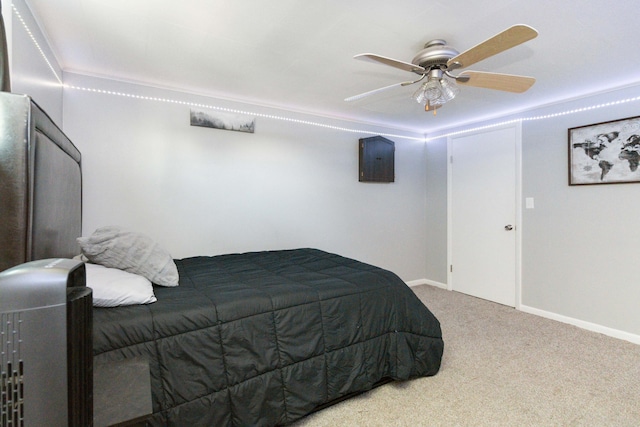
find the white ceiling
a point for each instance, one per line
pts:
(297, 54)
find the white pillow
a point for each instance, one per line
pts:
(112, 287)
(136, 253)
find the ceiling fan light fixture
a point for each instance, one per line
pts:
(449, 88)
(436, 91)
(433, 90)
(420, 94)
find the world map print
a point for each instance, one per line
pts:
(605, 153)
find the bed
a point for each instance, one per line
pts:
(257, 338)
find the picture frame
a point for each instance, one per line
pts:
(605, 153)
(219, 120)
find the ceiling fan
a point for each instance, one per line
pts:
(436, 61)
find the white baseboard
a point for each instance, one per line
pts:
(419, 282)
(594, 327)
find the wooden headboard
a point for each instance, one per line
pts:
(40, 185)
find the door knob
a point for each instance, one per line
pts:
(508, 227)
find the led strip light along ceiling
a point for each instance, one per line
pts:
(35, 42)
(194, 104)
(534, 118)
(243, 112)
(308, 122)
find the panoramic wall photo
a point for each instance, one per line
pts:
(220, 120)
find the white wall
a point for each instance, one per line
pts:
(579, 243)
(205, 191)
(436, 216)
(202, 191)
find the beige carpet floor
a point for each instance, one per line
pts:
(503, 367)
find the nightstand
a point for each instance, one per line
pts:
(121, 393)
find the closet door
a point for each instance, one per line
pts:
(483, 201)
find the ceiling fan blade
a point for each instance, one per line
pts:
(507, 39)
(406, 66)
(506, 82)
(372, 92)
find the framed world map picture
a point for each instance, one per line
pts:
(605, 153)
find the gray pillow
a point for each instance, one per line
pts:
(136, 253)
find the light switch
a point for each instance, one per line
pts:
(528, 202)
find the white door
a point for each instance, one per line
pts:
(483, 204)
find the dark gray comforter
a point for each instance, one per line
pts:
(265, 338)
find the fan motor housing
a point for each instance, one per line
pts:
(435, 53)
